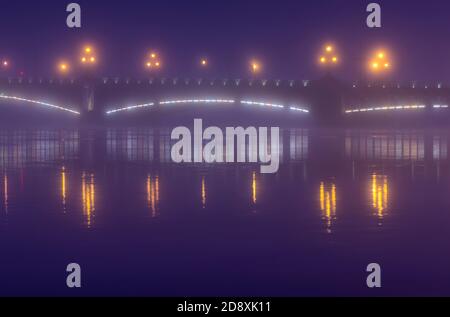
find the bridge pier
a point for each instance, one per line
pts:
(88, 97)
(91, 112)
(327, 105)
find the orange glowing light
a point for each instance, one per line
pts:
(153, 61)
(88, 55)
(255, 66)
(63, 67)
(329, 56)
(380, 62)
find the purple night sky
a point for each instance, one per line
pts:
(286, 35)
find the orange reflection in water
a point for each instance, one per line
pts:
(380, 195)
(153, 195)
(63, 188)
(328, 204)
(203, 192)
(88, 198)
(254, 188)
(5, 192)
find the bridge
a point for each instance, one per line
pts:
(324, 100)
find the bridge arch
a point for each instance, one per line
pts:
(8, 98)
(247, 102)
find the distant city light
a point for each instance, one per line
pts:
(5, 63)
(204, 62)
(329, 48)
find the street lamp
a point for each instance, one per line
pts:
(380, 62)
(255, 66)
(5, 63)
(328, 56)
(88, 56)
(153, 62)
(204, 62)
(63, 67)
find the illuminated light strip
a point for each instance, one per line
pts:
(245, 102)
(130, 108)
(39, 103)
(406, 107)
(440, 106)
(299, 109)
(190, 101)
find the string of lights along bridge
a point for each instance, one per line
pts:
(329, 56)
(208, 102)
(393, 108)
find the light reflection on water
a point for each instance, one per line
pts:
(380, 196)
(24, 152)
(328, 204)
(350, 190)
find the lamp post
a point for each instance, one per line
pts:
(329, 57)
(5, 65)
(63, 67)
(379, 63)
(255, 67)
(89, 60)
(153, 61)
(88, 56)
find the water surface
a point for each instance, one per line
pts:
(112, 201)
